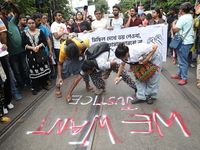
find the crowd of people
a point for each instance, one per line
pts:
(24, 37)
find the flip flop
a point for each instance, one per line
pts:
(5, 119)
(90, 89)
(198, 84)
(58, 94)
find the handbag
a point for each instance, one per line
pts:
(41, 55)
(177, 41)
(144, 72)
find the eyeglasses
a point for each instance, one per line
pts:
(31, 23)
(97, 13)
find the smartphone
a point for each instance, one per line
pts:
(4, 5)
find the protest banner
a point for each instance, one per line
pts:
(152, 34)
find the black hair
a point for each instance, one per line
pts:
(71, 49)
(89, 19)
(172, 8)
(143, 14)
(117, 7)
(97, 11)
(121, 50)
(85, 7)
(158, 12)
(22, 16)
(30, 18)
(88, 65)
(72, 19)
(148, 16)
(161, 7)
(79, 13)
(186, 7)
(55, 13)
(135, 8)
(36, 15)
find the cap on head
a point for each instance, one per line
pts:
(82, 44)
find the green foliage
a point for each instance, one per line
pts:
(63, 6)
(100, 4)
(29, 6)
(25, 7)
(166, 4)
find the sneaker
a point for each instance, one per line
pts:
(192, 65)
(182, 82)
(135, 101)
(10, 106)
(175, 77)
(17, 96)
(149, 101)
(5, 111)
(99, 91)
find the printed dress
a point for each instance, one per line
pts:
(36, 70)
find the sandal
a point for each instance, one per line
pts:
(49, 82)
(58, 94)
(198, 84)
(5, 119)
(90, 89)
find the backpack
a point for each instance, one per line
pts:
(95, 50)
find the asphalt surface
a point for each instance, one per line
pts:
(108, 121)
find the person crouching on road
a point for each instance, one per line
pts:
(99, 68)
(147, 90)
(70, 61)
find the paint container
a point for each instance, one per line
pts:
(120, 79)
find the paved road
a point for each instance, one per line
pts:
(109, 121)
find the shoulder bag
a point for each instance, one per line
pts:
(177, 41)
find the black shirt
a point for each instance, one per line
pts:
(170, 20)
(83, 26)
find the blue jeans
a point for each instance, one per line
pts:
(12, 79)
(20, 68)
(183, 60)
(150, 87)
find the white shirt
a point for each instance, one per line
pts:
(100, 24)
(103, 61)
(137, 50)
(59, 28)
(116, 23)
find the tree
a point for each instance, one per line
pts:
(43, 6)
(101, 5)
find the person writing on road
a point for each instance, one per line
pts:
(99, 67)
(147, 90)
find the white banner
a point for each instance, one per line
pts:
(152, 34)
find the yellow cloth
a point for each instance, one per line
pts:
(63, 56)
(196, 24)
